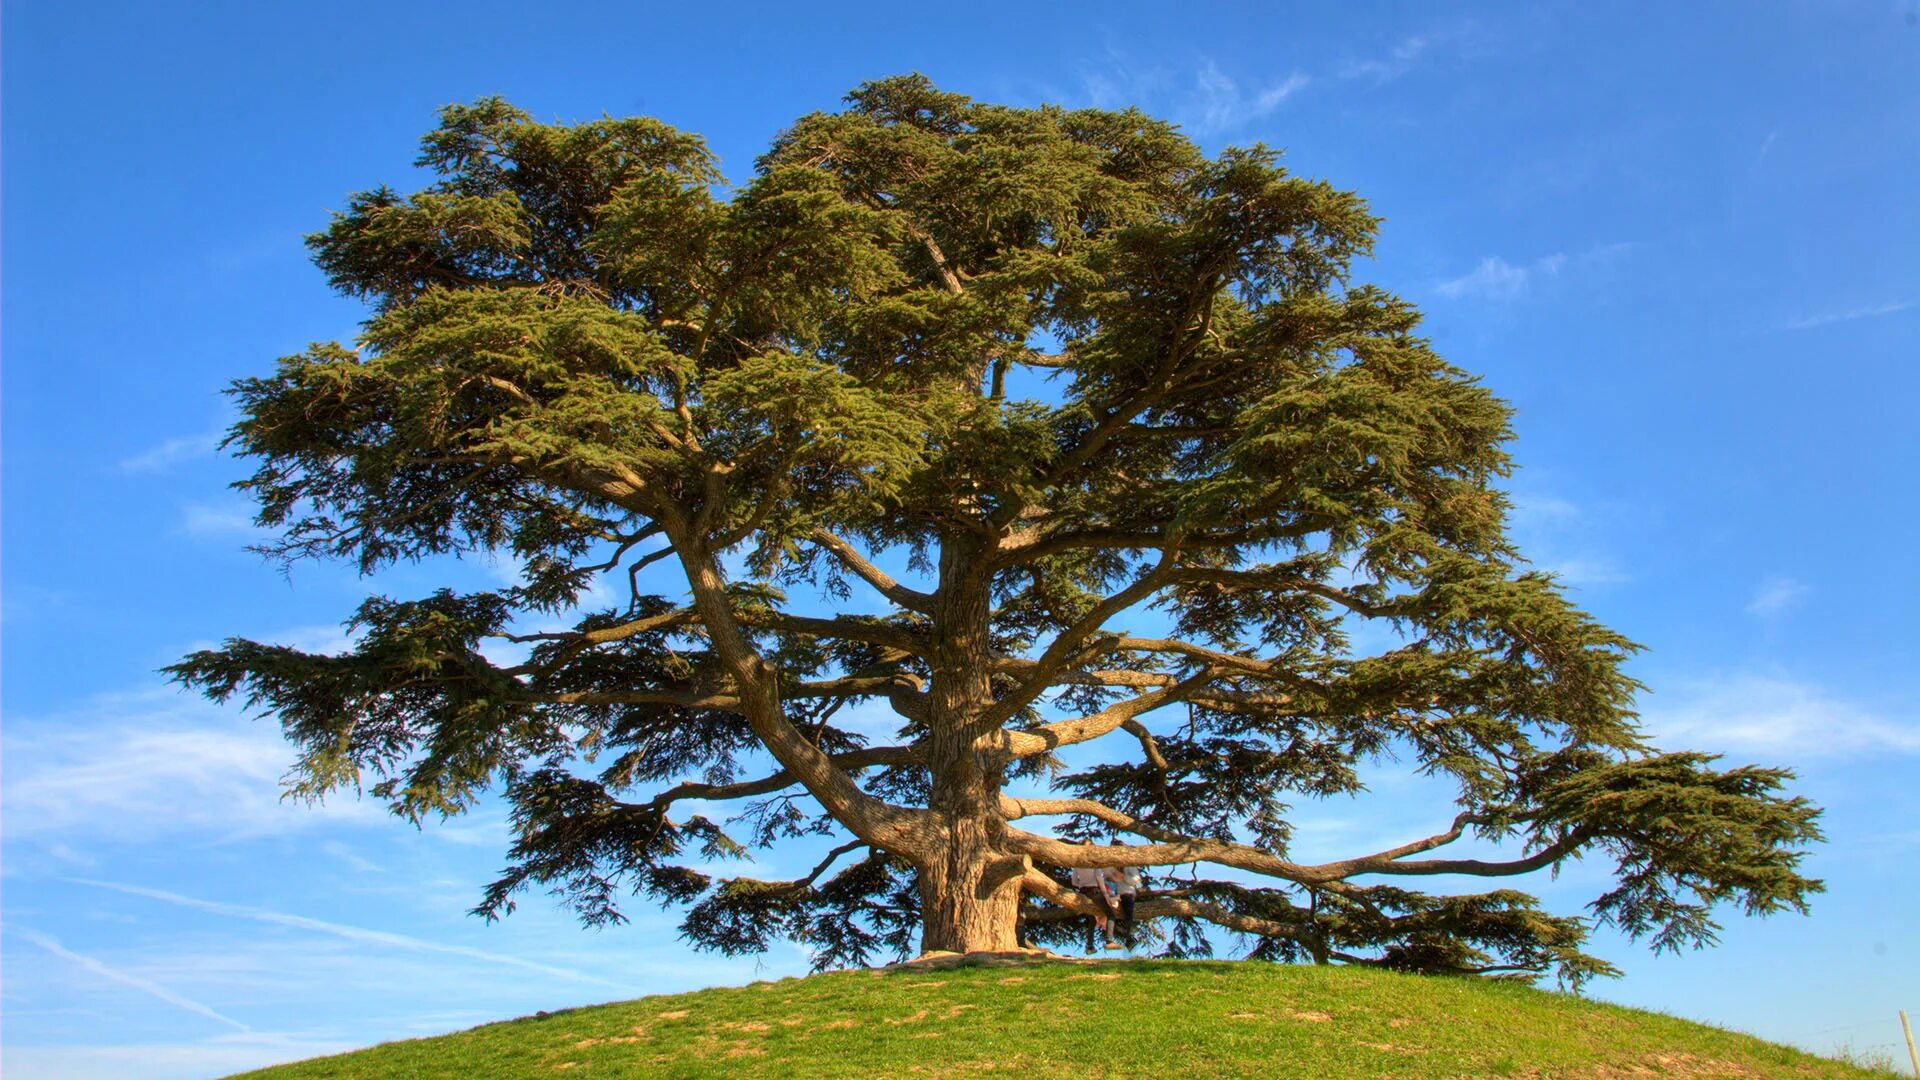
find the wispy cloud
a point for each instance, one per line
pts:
(145, 986)
(1496, 279)
(1850, 315)
(1776, 595)
(170, 453)
(1766, 714)
(226, 519)
(1414, 51)
(340, 930)
(1205, 99)
(1397, 62)
(133, 767)
(1557, 536)
(1220, 104)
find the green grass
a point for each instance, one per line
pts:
(1116, 1019)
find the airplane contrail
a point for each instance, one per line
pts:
(351, 933)
(134, 981)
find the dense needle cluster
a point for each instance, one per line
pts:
(1156, 465)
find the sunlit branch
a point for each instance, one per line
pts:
(846, 629)
(1070, 904)
(850, 557)
(1040, 546)
(1049, 737)
(1173, 849)
(692, 698)
(805, 882)
(1061, 651)
(851, 761)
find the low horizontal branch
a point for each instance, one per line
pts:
(1068, 904)
(1173, 849)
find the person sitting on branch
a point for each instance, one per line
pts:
(1091, 883)
(1124, 881)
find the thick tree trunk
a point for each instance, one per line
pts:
(969, 886)
(970, 900)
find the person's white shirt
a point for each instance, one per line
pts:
(1085, 876)
(1126, 880)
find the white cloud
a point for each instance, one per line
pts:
(476, 828)
(340, 930)
(134, 767)
(1580, 572)
(145, 986)
(329, 639)
(1218, 104)
(1848, 315)
(1765, 714)
(1412, 51)
(1398, 61)
(1776, 595)
(172, 452)
(1499, 280)
(320, 993)
(1556, 536)
(1205, 100)
(1276, 95)
(205, 519)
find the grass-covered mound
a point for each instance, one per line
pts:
(1117, 1019)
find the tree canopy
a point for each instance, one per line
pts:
(1081, 435)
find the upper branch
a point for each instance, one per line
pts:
(843, 627)
(1187, 336)
(1062, 650)
(850, 557)
(1049, 737)
(851, 761)
(948, 276)
(694, 698)
(895, 828)
(1043, 543)
(1269, 580)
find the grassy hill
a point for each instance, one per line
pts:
(1086, 1020)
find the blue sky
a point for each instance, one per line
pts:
(1681, 242)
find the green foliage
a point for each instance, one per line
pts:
(1073, 368)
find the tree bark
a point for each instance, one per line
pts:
(969, 883)
(970, 899)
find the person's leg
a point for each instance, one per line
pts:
(1106, 925)
(1099, 923)
(1126, 919)
(1104, 917)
